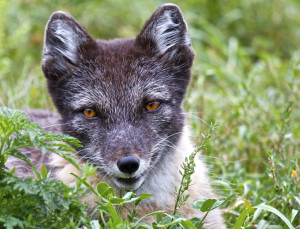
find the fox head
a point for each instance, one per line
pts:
(121, 98)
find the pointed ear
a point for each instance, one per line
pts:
(166, 34)
(65, 42)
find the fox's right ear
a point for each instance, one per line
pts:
(65, 43)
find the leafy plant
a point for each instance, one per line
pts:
(40, 202)
(188, 169)
(277, 200)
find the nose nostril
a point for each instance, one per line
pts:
(128, 164)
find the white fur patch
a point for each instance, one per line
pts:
(69, 39)
(166, 33)
(64, 35)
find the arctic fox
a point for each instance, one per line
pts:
(122, 99)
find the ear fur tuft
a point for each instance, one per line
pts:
(165, 32)
(64, 41)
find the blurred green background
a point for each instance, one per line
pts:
(245, 75)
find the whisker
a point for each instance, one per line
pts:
(57, 124)
(167, 138)
(190, 114)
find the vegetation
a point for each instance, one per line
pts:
(40, 202)
(246, 75)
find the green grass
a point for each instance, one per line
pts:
(245, 75)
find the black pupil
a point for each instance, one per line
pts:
(89, 111)
(153, 105)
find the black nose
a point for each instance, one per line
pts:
(128, 164)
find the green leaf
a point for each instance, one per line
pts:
(158, 217)
(294, 213)
(105, 191)
(116, 200)
(128, 195)
(44, 172)
(203, 204)
(222, 202)
(83, 180)
(276, 212)
(196, 221)
(12, 222)
(142, 197)
(207, 205)
(173, 222)
(102, 187)
(12, 172)
(187, 224)
(19, 155)
(197, 204)
(157, 213)
(113, 214)
(241, 219)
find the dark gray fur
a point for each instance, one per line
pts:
(117, 78)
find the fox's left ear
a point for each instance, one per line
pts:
(166, 34)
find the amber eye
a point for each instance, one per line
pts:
(152, 106)
(89, 113)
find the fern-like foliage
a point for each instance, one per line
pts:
(40, 202)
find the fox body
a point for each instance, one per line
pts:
(122, 99)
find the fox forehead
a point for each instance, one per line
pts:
(100, 94)
(116, 78)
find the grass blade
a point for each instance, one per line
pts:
(276, 212)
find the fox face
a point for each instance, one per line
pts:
(121, 98)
